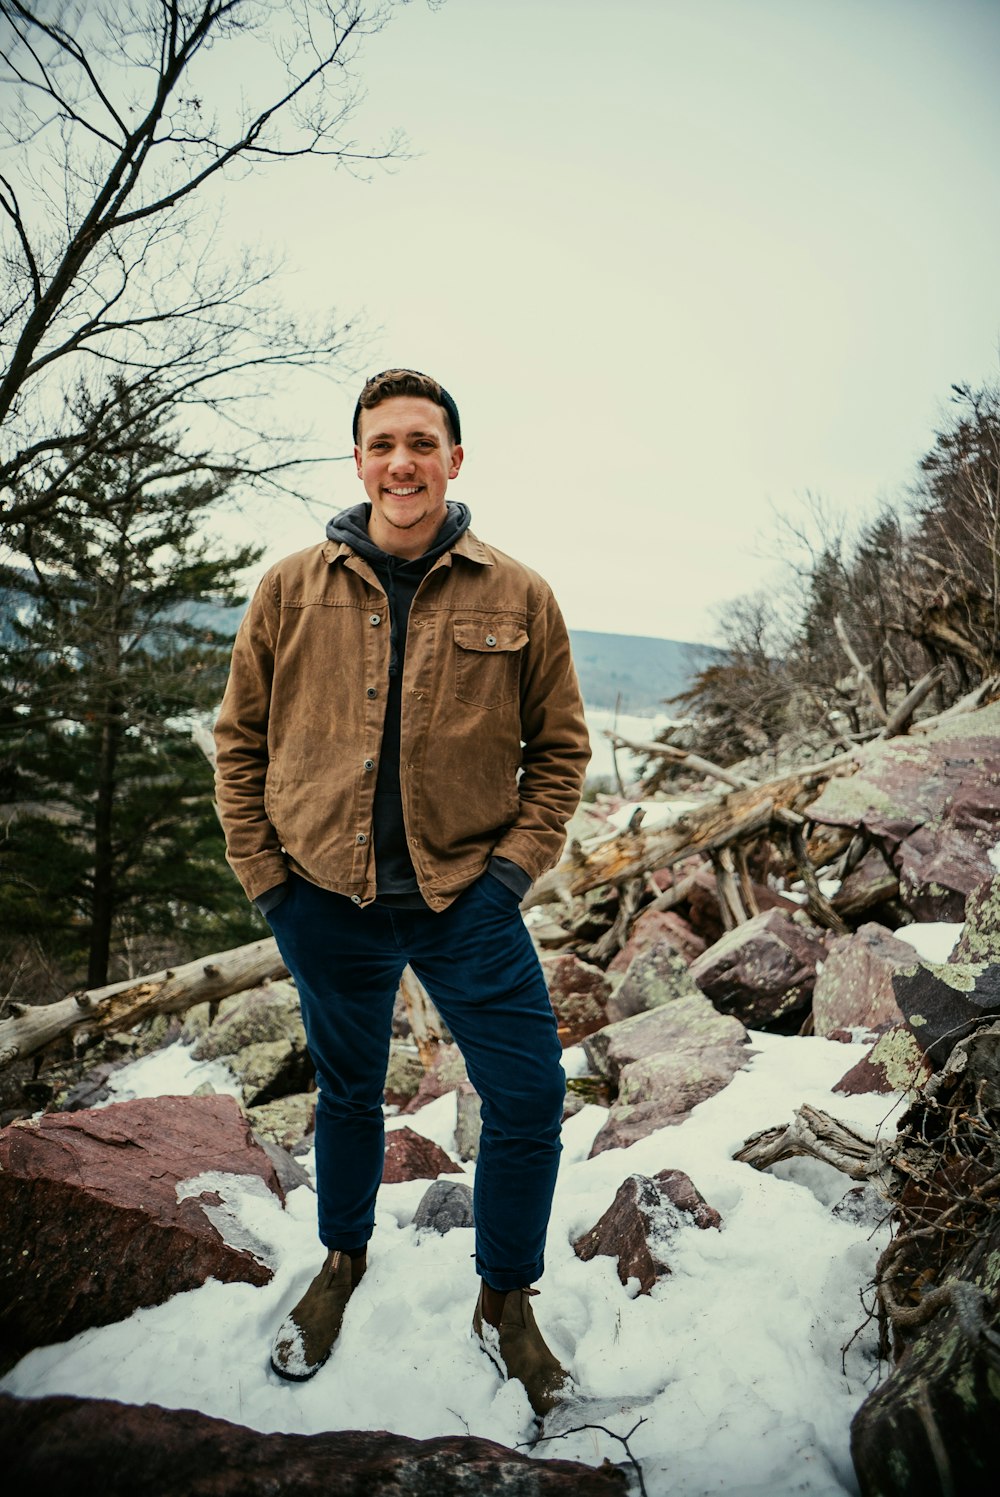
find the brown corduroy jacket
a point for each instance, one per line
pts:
(494, 745)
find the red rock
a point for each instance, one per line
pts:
(895, 1063)
(87, 1446)
(637, 1227)
(763, 969)
(854, 988)
(658, 928)
(657, 976)
(93, 1228)
(578, 993)
(931, 802)
(410, 1156)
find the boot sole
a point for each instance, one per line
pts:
(297, 1377)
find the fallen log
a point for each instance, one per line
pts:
(122, 1004)
(817, 1135)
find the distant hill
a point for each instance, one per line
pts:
(639, 669)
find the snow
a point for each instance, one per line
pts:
(994, 856)
(736, 1360)
(933, 941)
(638, 729)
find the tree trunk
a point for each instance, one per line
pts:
(123, 1004)
(102, 903)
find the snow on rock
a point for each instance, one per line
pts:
(934, 940)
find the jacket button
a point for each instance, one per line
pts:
(355, 898)
(491, 639)
(371, 692)
(369, 763)
(361, 837)
(374, 618)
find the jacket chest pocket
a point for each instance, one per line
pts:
(488, 662)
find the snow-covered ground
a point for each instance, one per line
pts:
(736, 1361)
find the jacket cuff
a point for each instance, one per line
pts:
(260, 872)
(511, 875)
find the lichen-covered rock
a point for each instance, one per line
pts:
(272, 1069)
(854, 988)
(895, 1063)
(94, 1445)
(98, 1220)
(445, 1205)
(763, 969)
(403, 1075)
(260, 1016)
(658, 928)
(980, 939)
(941, 1002)
(578, 993)
(410, 1156)
(640, 1223)
(931, 801)
(656, 976)
(286, 1120)
(662, 1064)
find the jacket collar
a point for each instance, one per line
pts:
(467, 545)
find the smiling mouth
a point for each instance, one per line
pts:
(404, 493)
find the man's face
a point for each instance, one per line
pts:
(405, 459)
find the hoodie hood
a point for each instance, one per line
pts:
(350, 528)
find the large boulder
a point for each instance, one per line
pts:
(656, 976)
(99, 1220)
(261, 1038)
(446, 1074)
(854, 988)
(931, 802)
(410, 1156)
(579, 994)
(640, 1223)
(662, 1064)
(445, 1205)
(942, 1002)
(94, 1445)
(763, 969)
(287, 1120)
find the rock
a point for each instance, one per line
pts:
(94, 1445)
(980, 940)
(90, 1089)
(272, 1069)
(656, 976)
(578, 993)
(763, 969)
(862, 1206)
(410, 1156)
(931, 802)
(854, 988)
(895, 1063)
(871, 883)
(445, 1075)
(404, 1074)
(287, 1168)
(93, 1227)
(663, 1063)
(658, 928)
(286, 1120)
(447, 1204)
(468, 1121)
(261, 1016)
(941, 1002)
(638, 1225)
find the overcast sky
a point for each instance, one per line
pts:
(679, 263)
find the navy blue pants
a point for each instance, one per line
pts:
(478, 964)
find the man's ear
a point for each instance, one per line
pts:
(357, 460)
(456, 461)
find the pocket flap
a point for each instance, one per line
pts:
(489, 638)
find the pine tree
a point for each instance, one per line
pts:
(109, 651)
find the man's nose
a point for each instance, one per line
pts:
(401, 460)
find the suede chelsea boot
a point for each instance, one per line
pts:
(307, 1334)
(514, 1343)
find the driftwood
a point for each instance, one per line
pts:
(678, 756)
(819, 1136)
(122, 1004)
(425, 1022)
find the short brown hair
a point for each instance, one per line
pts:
(393, 382)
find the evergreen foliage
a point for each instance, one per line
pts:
(110, 835)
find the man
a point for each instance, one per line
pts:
(400, 746)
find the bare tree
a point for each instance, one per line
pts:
(120, 123)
